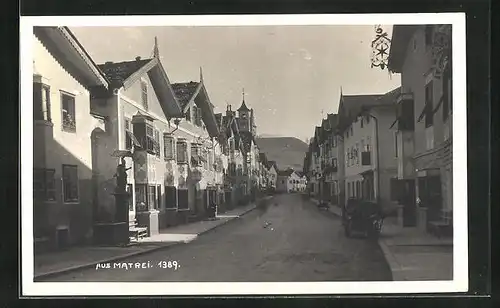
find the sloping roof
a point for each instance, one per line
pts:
(121, 71)
(272, 163)
(184, 91)
(62, 44)
(401, 36)
(299, 173)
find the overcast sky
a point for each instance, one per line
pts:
(291, 74)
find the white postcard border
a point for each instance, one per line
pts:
(460, 250)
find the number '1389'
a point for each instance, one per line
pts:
(168, 265)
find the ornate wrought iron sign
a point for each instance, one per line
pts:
(380, 48)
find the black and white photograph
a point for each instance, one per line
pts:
(226, 155)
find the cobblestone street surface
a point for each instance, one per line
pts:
(287, 240)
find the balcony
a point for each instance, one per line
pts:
(366, 159)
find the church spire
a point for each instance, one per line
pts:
(243, 106)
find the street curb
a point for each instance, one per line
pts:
(391, 260)
(132, 254)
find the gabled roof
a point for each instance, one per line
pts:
(185, 91)
(62, 44)
(401, 36)
(272, 163)
(299, 173)
(121, 71)
(352, 105)
(124, 74)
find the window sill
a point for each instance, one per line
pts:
(183, 210)
(182, 162)
(171, 209)
(69, 130)
(70, 202)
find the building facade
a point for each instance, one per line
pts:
(370, 164)
(64, 80)
(423, 125)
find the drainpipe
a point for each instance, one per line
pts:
(176, 122)
(378, 156)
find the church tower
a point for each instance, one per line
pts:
(244, 116)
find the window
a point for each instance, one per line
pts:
(196, 160)
(152, 199)
(170, 197)
(406, 115)
(429, 112)
(367, 119)
(182, 152)
(68, 112)
(168, 147)
(349, 189)
(128, 135)
(157, 143)
(70, 183)
(149, 142)
(352, 133)
(362, 122)
(334, 163)
(41, 102)
(130, 191)
(188, 114)
(44, 186)
(395, 144)
(183, 199)
(158, 196)
(144, 94)
(141, 203)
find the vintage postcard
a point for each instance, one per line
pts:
(244, 155)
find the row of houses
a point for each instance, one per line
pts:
(185, 156)
(394, 148)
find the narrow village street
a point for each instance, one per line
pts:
(289, 239)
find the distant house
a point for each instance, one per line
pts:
(290, 181)
(273, 174)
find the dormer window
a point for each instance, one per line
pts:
(144, 93)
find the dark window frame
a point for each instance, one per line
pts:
(168, 147)
(447, 94)
(171, 198)
(44, 177)
(180, 195)
(182, 155)
(68, 112)
(74, 191)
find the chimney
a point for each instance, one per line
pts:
(138, 58)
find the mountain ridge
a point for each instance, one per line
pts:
(288, 152)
